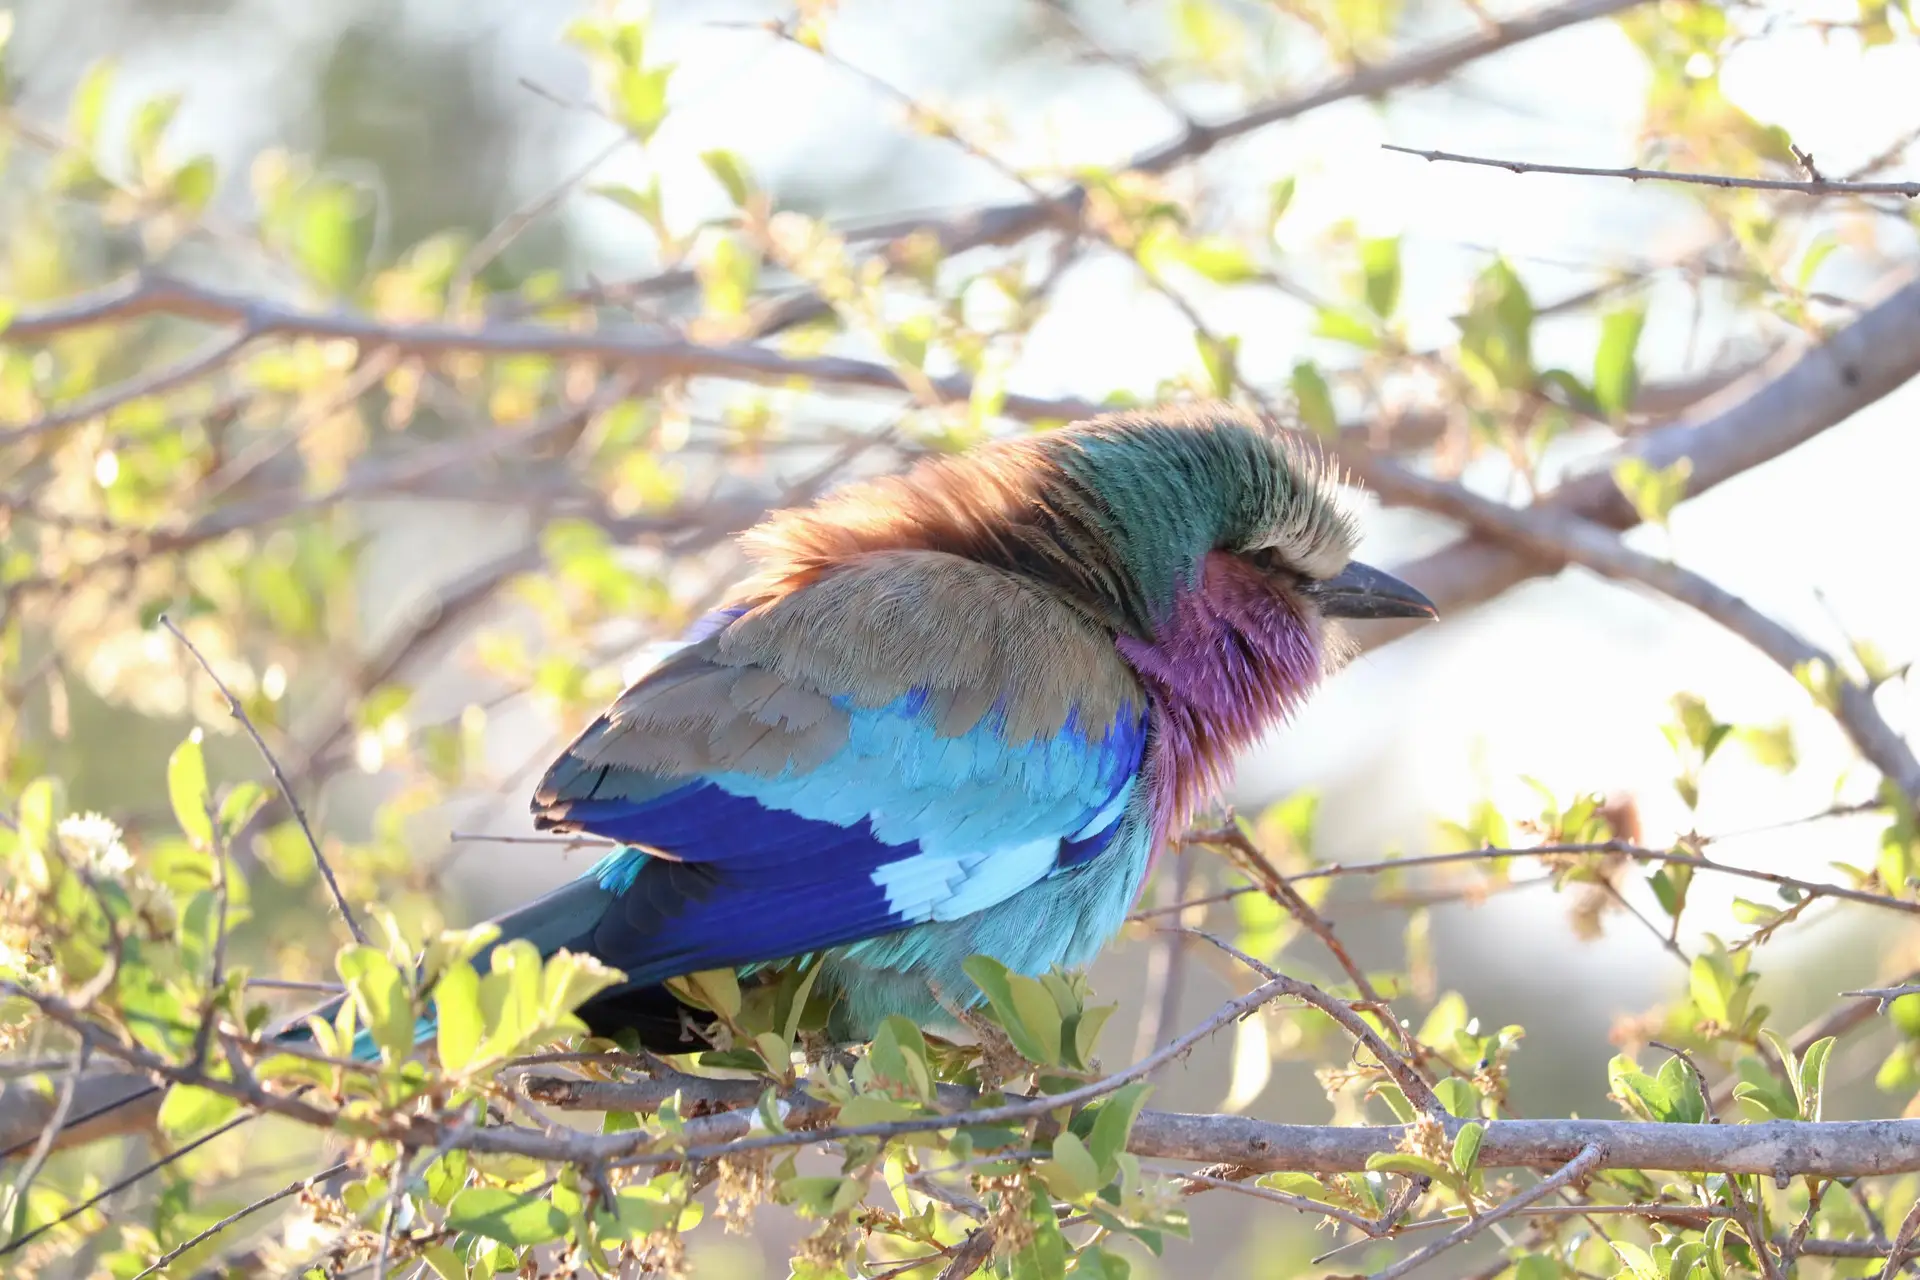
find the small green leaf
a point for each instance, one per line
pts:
(1709, 989)
(1344, 326)
(1113, 1124)
(1314, 399)
(1039, 1013)
(640, 98)
(90, 102)
(1072, 1172)
(1813, 1077)
(1636, 1260)
(1466, 1145)
(994, 980)
(1615, 375)
(190, 1109)
(1295, 1184)
(458, 1029)
(1653, 493)
(1221, 358)
(1219, 259)
(1407, 1163)
(1458, 1096)
(1279, 197)
(510, 1217)
(731, 172)
(381, 996)
(187, 789)
(1380, 266)
(716, 990)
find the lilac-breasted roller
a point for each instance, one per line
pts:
(955, 711)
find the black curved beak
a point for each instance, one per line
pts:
(1362, 591)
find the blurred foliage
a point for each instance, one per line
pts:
(256, 491)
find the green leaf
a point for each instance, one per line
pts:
(569, 979)
(1466, 1145)
(1407, 1163)
(1496, 334)
(381, 996)
(1113, 1124)
(1616, 376)
(190, 1109)
(1279, 197)
(89, 106)
(640, 98)
(1396, 1102)
(512, 1218)
(1813, 1077)
(1458, 1096)
(993, 979)
(1095, 1263)
(1636, 1260)
(1709, 989)
(716, 990)
(1686, 1103)
(1295, 1184)
(1072, 1172)
(1221, 358)
(1538, 1266)
(240, 806)
(1045, 1257)
(1220, 260)
(458, 1028)
(1380, 266)
(192, 185)
(635, 1212)
(187, 789)
(1344, 326)
(1653, 493)
(445, 1263)
(1039, 1013)
(1314, 399)
(731, 172)
(1640, 1092)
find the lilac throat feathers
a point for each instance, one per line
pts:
(1234, 658)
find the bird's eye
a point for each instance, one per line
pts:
(1271, 562)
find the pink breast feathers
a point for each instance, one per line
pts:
(1234, 658)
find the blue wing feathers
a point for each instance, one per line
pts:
(902, 826)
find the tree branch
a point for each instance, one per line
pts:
(1546, 531)
(1802, 391)
(1810, 186)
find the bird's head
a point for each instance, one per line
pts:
(1130, 516)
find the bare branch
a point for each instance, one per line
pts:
(1810, 186)
(1545, 531)
(657, 354)
(1802, 391)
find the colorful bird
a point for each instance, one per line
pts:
(955, 712)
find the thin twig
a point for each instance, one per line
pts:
(273, 765)
(266, 1201)
(1807, 186)
(1411, 1083)
(1580, 1166)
